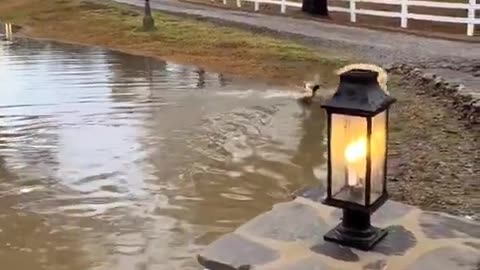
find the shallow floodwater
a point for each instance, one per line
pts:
(111, 161)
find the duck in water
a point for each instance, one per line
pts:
(310, 88)
(309, 91)
(308, 96)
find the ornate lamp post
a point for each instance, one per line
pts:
(357, 156)
(148, 22)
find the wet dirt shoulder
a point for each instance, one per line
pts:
(434, 154)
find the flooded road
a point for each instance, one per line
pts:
(111, 161)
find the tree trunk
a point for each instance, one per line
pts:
(315, 7)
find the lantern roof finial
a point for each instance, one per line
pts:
(359, 93)
(382, 74)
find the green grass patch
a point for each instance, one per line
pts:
(120, 26)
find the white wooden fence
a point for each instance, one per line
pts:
(404, 15)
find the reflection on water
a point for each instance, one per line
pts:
(110, 161)
(6, 30)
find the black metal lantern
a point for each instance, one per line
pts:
(357, 156)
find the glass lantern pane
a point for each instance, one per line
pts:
(377, 150)
(348, 145)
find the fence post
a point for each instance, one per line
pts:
(257, 5)
(283, 8)
(8, 31)
(404, 14)
(239, 3)
(353, 16)
(471, 18)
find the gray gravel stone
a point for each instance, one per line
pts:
(429, 76)
(336, 251)
(310, 263)
(233, 252)
(473, 244)
(438, 81)
(315, 194)
(397, 242)
(288, 222)
(436, 226)
(447, 259)
(376, 265)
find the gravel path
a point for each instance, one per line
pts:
(378, 46)
(455, 61)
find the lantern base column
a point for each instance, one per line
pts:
(355, 231)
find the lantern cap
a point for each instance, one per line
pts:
(359, 94)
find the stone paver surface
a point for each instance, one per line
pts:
(289, 237)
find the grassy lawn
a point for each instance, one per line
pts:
(223, 49)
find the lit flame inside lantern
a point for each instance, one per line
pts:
(356, 150)
(355, 153)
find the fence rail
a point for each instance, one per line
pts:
(404, 15)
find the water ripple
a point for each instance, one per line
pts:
(122, 158)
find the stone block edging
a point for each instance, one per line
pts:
(465, 101)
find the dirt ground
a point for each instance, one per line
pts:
(434, 157)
